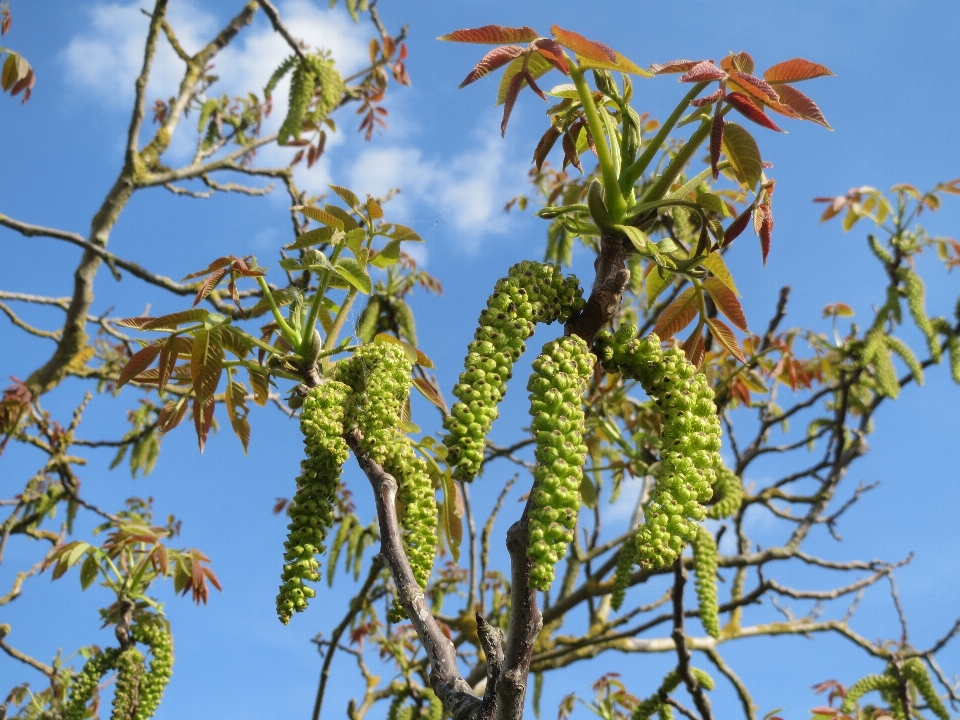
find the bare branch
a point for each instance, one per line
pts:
(22, 657)
(679, 638)
(445, 678)
(298, 46)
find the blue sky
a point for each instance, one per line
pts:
(893, 106)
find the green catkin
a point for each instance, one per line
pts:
(311, 512)
(953, 348)
(655, 703)
(155, 636)
(379, 375)
(531, 293)
(864, 685)
(691, 440)
(727, 494)
(665, 712)
(705, 574)
(915, 671)
(886, 375)
(559, 379)
(126, 695)
(330, 84)
(903, 351)
(435, 711)
(303, 84)
(621, 579)
(87, 681)
(881, 252)
(914, 290)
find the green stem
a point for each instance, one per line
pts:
(691, 184)
(318, 300)
(631, 174)
(616, 205)
(675, 167)
(338, 321)
(287, 331)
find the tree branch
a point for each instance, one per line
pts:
(450, 687)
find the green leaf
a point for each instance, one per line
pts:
(715, 264)
(321, 216)
(713, 202)
(452, 514)
(742, 151)
(637, 237)
(349, 223)
(355, 274)
(401, 233)
(588, 492)
(314, 237)
(347, 196)
(537, 65)
(88, 572)
(657, 279)
(388, 256)
(206, 364)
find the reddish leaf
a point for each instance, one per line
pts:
(703, 72)
(693, 348)
(590, 49)
(171, 414)
(260, 382)
(754, 86)
(237, 410)
(172, 348)
(795, 70)
(492, 35)
(210, 283)
(716, 143)
(823, 710)
(741, 62)
(528, 76)
(726, 302)
(802, 105)
(675, 66)
(678, 314)
(569, 145)
(222, 262)
(763, 226)
(745, 107)
(708, 99)
(552, 51)
(138, 363)
(737, 226)
(545, 145)
(206, 364)
(496, 58)
(429, 392)
(510, 99)
(724, 335)
(202, 420)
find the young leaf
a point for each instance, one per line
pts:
(536, 66)
(401, 233)
(742, 151)
(237, 410)
(317, 236)
(209, 284)
(173, 347)
(801, 105)
(795, 70)
(589, 49)
(320, 216)
(715, 264)
(88, 572)
(744, 105)
(726, 301)
(678, 314)
(388, 256)
(429, 392)
(206, 364)
(166, 321)
(452, 514)
(374, 211)
(491, 35)
(737, 226)
(496, 58)
(763, 226)
(513, 90)
(260, 382)
(693, 348)
(716, 143)
(202, 420)
(348, 196)
(171, 414)
(552, 52)
(675, 66)
(355, 274)
(710, 99)
(724, 335)
(753, 86)
(702, 72)
(545, 145)
(138, 363)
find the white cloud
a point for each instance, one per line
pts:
(467, 191)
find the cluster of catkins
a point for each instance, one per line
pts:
(379, 376)
(691, 440)
(656, 703)
(311, 75)
(559, 379)
(914, 672)
(531, 293)
(311, 512)
(138, 690)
